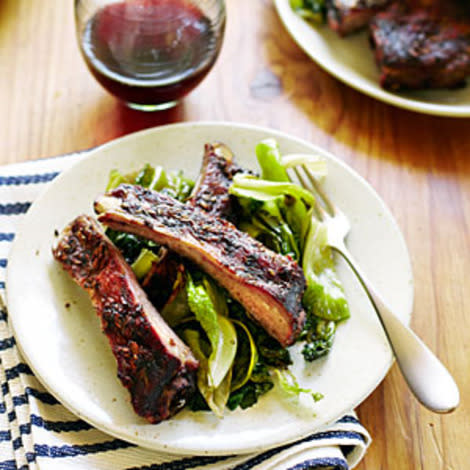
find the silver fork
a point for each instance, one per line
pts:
(427, 378)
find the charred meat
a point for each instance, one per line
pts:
(159, 283)
(157, 368)
(211, 191)
(270, 286)
(420, 49)
(348, 16)
(209, 194)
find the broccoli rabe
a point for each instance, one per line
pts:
(273, 212)
(318, 335)
(131, 245)
(280, 214)
(259, 384)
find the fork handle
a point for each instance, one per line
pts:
(426, 376)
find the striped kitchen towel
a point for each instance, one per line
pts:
(38, 432)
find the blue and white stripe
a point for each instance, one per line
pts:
(36, 431)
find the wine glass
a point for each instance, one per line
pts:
(150, 53)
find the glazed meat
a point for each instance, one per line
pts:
(211, 191)
(420, 49)
(211, 195)
(347, 16)
(270, 286)
(157, 368)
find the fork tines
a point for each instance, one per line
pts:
(309, 182)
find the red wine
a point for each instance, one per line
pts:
(150, 51)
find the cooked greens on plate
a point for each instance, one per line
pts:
(235, 263)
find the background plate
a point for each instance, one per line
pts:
(352, 61)
(66, 349)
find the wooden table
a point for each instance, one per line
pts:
(419, 164)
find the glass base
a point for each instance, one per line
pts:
(149, 108)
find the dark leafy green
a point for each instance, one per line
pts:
(265, 220)
(311, 10)
(131, 245)
(318, 335)
(246, 396)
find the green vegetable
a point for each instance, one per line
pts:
(311, 10)
(159, 180)
(317, 396)
(289, 383)
(114, 180)
(319, 336)
(275, 233)
(219, 330)
(324, 296)
(296, 215)
(250, 228)
(174, 184)
(177, 186)
(266, 221)
(278, 211)
(247, 395)
(324, 299)
(216, 397)
(269, 159)
(145, 176)
(130, 245)
(246, 358)
(262, 190)
(142, 265)
(217, 297)
(266, 224)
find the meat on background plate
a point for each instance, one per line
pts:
(348, 16)
(418, 48)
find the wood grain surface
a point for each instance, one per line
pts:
(420, 165)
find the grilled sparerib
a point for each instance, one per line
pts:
(211, 195)
(270, 286)
(211, 191)
(157, 368)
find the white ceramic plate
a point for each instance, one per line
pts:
(351, 61)
(70, 355)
